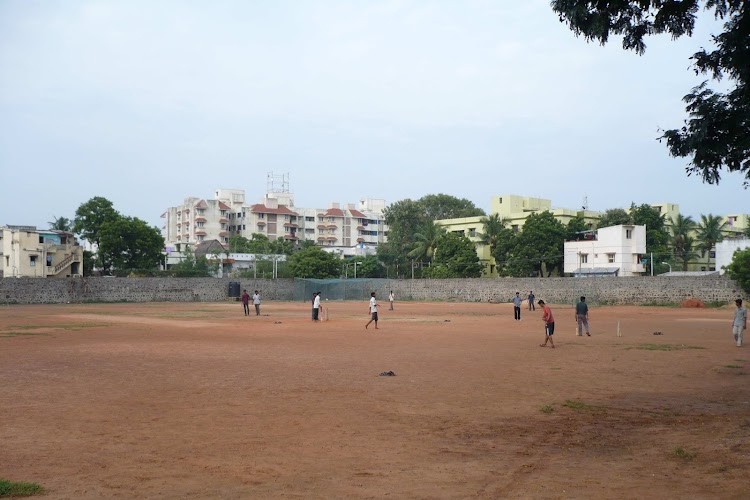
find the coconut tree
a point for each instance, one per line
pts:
(492, 231)
(682, 242)
(61, 224)
(709, 234)
(426, 241)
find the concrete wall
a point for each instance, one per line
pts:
(600, 290)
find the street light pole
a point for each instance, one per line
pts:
(670, 266)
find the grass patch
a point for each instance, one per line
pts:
(579, 405)
(732, 366)
(683, 454)
(13, 333)
(547, 409)
(13, 489)
(664, 347)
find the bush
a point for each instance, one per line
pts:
(739, 269)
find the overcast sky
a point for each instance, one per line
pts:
(148, 102)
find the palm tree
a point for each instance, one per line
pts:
(682, 242)
(492, 229)
(61, 224)
(426, 241)
(709, 233)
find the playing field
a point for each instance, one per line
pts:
(195, 400)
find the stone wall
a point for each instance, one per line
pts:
(601, 290)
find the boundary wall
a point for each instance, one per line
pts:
(600, 290)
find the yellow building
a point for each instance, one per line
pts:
(513, 210)
(28, 252)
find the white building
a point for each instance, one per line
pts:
(725, 250)
(609, 251)
(351, 230)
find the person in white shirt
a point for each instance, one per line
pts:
(373, 311)
(256, 302)
(391, 298)
(317, 307)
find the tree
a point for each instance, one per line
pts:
(739, 269)
(576, 228)
(715, 136)
(445, 206)
(404, 219)
(367, 267)
(129, 243)
(61, 224)
(657, 236)
(682, 242)
(709, 234)
(192, 267)
(91, 215)
(538, 248)
(314, 262)
(506, 243)
(614, 217)
(492, 231)
(455, 257)
(426, 242)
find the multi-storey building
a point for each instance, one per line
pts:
(608, 251)
(346, 230)
(28, 252)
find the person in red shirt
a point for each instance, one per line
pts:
(549, 324)
(246, 302)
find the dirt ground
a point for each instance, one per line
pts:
(176, 400)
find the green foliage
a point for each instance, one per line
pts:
(715, 136)
(614, 217)
(576, 226)
(89, 261)
(739, 269)
(538, 248)
(19, 489)
(657, 236)
(367, 267)
(426, 242)
(683, 454)
(682, 242)
(492, 231)
(91, 215)
(408, 218)
(260, 244)
(444, 206)
(709, 233)
(314, 262)
(192, 267)
(129, 243)
(455, 257)
(61, 224)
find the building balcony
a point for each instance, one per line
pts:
(290, 237)
(321, 238)
(322, 226)
(200, 232)
(200, 218)
(332, 226)
(223, 220)
(290, 224)
(261, 223)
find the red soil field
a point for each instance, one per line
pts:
(176, 400)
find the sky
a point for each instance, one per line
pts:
(146, 103)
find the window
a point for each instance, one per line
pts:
(309, 219)
(472, 231)
(32, 260)
(261, 216)
(584, 258)
(515, 228)
(712, 254)
(610, 258)
(628, 234)
(41, 239)
(200, 224)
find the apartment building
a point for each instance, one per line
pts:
(608, 251)
(28, 252)
(346, 230)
